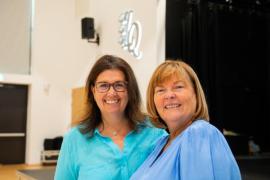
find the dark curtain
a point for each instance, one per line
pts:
(186, 38)
(228, 46)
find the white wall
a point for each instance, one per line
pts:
(15, 36)
(61, 60)
(151, 14)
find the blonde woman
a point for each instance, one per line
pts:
(194, 149)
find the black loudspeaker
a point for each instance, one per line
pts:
(48, 144)
(53, 144)
(88, 29)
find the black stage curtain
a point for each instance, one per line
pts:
(228, 45)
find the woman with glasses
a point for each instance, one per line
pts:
(116, 137)
(194, 149)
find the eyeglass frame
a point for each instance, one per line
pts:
(111, 85)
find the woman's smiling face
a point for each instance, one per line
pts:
(111, 102)
(175, 101)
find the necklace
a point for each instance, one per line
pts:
(114, 133)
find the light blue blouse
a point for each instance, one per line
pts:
(98, 158)
(200, 152)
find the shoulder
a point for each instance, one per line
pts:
(74, 134)
(201, 131)
(147, 133)
(74, 140)
(202, 127)
(148, 127)
(74, 131)
(146, 123)
(204, 143)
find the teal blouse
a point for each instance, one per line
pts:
(82, 157)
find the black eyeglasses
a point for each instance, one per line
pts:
(118, 86)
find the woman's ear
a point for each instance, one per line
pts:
(93, 89)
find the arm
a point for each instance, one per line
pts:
(65, 163)
(205, 154)
(224, 163)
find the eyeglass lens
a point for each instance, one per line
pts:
(118, 86)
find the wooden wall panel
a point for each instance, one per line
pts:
(79, 104)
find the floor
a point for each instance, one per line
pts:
(254, 168)
(251, 169)
(8, 172)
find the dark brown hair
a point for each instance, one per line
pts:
(133, 109)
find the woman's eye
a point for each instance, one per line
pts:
(103, 85)
(119, 85)
(159, 91)
(179, 87)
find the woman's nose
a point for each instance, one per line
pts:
(111, 90)
(170, 95)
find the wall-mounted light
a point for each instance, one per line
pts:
(88, 30)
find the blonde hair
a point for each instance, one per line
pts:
(165, 71)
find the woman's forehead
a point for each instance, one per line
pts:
(175, 76)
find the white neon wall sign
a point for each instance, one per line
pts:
(130, 34)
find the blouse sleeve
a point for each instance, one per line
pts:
(205, 155)
(65, 163)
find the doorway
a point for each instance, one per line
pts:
(13, 115)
